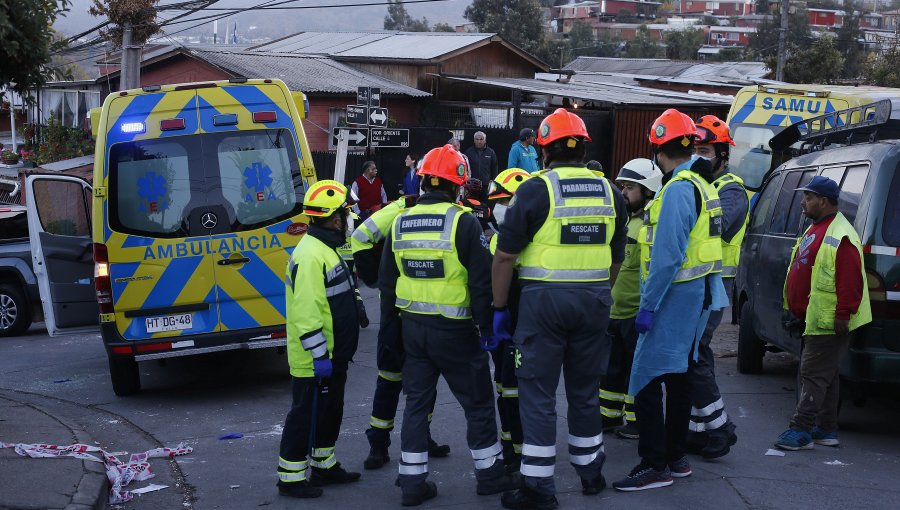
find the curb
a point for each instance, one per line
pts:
(91, 493)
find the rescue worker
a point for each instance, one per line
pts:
(711, 433)
(681, 284)
(566, 227)
(435, 271)
(501, 191)
(825, 289)
(639, 180)
(471, 190)
(323, 332)
(365, 242)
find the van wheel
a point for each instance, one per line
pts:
(15, 314)
(750, 348)
(126, 380)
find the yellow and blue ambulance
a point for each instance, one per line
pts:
(760, 112)
(194, 212)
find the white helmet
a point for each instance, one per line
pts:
(643, 172)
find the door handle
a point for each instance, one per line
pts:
(233, 260)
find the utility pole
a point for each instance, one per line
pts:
(130, 61)
(782, 40)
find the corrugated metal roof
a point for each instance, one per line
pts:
(650, 68)
(391, 45)
(646, 66)
(308, 73)
(606, 94)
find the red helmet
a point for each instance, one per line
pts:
(672, 125)
(445, 163)
(561, 124)
(711, 129)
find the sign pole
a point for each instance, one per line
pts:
(340, 162)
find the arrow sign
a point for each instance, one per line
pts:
(389, 138)
(374, 96)
(357, 114)
(378, 116)
(356, 137)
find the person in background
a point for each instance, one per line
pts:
(595, 166)
(482, 161)
(522, 154)
(370, 190)
(826, 289)
(410, 185)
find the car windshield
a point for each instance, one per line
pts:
(751, 157)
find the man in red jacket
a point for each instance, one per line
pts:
(370, 190)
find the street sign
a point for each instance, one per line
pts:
(357, 114)
(377, 116)
(374, 96)
(362, 96)
(389, 138)
(356, 137)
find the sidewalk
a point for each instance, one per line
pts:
(64, 483)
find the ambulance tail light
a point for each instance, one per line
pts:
(102, 282)
(878, 295)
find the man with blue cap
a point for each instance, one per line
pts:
(825, 289)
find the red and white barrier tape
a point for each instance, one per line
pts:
(119, 473)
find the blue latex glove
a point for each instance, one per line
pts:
(644, 321)
(502, 324)
(489, 343)
(322, 368)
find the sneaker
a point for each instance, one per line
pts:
(719, 445)
(823, 438)
(333, 475)
(644, 477)
(299, 490)
(377, 458)
(506, 482)
(592, 487)
(427, 490)
(628, 431)
(437, 450)
(528, 499)
(680, 468)
(792, 439)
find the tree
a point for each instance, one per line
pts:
(643, 45)
(581, 39)
(517, 21)
(683, 44)
(28, 42)
(764, 43)
(847, 42)
(884, 69)
(442, 27)
(141, 14)
(398, 19)
(820, 63)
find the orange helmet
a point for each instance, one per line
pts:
(671, 125)
(445, 163)
(711, 129)
(561, 124)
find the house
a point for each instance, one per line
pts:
(890, 19)
(871, 20)
(825, 18)
(730, 36)
(718, 7)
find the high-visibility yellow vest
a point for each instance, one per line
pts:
(573, 243)
(626, 292)
(704, 250)
(371, 231)
(432, 279)
(822, 295)
(731, 250)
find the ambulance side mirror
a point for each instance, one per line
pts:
(94, 120)
(302, 103)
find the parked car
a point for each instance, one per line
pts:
(20, 302)
(870, 199)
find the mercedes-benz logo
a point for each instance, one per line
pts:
(209, 220)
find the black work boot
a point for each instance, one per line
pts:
(423, 493)
(512, 462)
(592, 487)
(333, 475)
(696, 442)
(299, 490)
(719, 445)
(502, 483)
(377, 458)
(628, 431)
(437, 450)
(610, 424)
(528, 499)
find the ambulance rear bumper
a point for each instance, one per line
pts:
(173, 347)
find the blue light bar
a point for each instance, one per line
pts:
(133, 127)
(225, 119)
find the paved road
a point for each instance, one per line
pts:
(197, 400)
